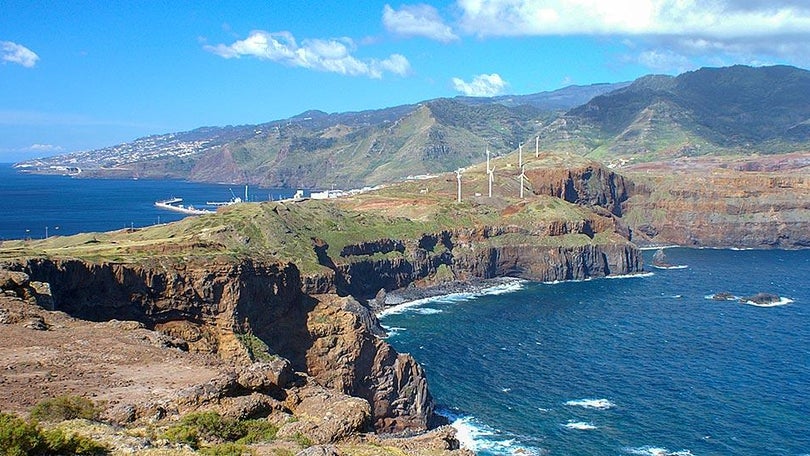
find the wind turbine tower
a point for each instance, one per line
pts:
(520, 155)
(458, 178)
(490, 174)
(537, 147)
(522, 177)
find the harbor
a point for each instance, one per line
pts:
(175, 204)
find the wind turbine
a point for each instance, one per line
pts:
(490, 174)
(458, 178)
(522, 177)
(520, 155)
(537, 147)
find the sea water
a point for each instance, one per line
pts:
(33, 205)
(648, 365)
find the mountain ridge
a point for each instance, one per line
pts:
(710, 111)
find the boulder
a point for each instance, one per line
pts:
(266, 376)
(41, 292)
(762, 298)
(326, 416)
(319, 450)
(12, 280)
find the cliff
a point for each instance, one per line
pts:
(293, 280)
(751, 202)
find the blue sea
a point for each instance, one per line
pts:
(648, 365)
(632, 366)
(30, 205)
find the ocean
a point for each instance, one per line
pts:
(31, 205)
(648, 365)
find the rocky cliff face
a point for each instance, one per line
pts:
(214, 307)
(480, 253)
(587, 184)
(756, 203)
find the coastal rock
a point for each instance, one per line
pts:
(326, 416)
(762, 298)
(723, 296)
(266, 376)
(320, 450)
(214, 303)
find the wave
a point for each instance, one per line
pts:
(781, 302)
(427, 311)
(597, 404)
(580, 426)
(734, 298)
(393, 330)
(656, 451)
(638, 275)
(479, 437)
(675, 266)
(499, 289)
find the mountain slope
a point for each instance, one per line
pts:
(711, 110)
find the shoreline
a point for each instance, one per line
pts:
(413, 296)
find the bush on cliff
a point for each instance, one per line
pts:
(65, 408)
(20, 438)
(211, 427)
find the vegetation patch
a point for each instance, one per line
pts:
(211, 428)
(20, 438)
(64, 408)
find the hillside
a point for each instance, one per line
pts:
(320, 150)
(709, 111)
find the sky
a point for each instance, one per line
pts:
(79, 75)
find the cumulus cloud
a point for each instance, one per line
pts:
(50, 148)
(719, 18)
(417, 20)
(332, 55)
(669, 30)
(17, 53)
(483, 85)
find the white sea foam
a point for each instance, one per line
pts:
(675, 266)
(427, 311)
(580, 426)
(478, 437)
(781, 302)
(638, 275)
(597, 404)
(660, 248)
(393, 330)
(501, 288)
(657, 451)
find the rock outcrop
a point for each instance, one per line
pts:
(221, 307)
(702, 203)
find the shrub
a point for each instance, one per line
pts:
(196, 428)
(257, 431)
(20, 438)
(226, 449)
(65, 408)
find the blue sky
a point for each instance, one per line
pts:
(78, 75)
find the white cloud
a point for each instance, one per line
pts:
(45, 148)
(720, 18)
(333, 55)
(17, 53)
(483, 85)
(667, 34)
(417, 20)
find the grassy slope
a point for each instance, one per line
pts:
(285, 230)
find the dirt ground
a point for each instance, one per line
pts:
(111, 361)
